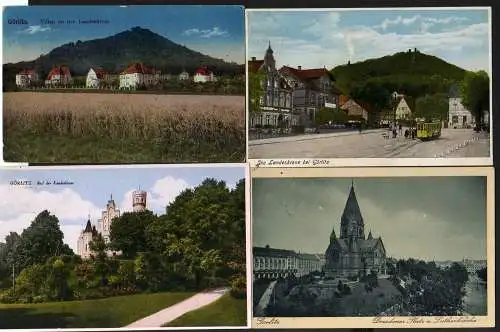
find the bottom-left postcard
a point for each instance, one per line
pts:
(111, 247)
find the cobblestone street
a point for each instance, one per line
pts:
(453, 143)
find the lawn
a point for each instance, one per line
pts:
(226, 311)
(111, 312)
(123, 128)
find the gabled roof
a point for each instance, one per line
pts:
(343, 99)
(254, 65)
(203, 71)
(138, 68)
(409, 101)
(99, 72)
(59, 70)
(307, 74)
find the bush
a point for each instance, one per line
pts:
(239, 287)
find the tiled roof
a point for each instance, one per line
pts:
(138, 68)
(100, 73)
(203, 71)
(343, 99)
(60, 70)
(254, 65)
(306, 74)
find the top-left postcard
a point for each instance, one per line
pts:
(124, 84)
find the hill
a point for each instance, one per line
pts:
(117, 52)
(412, 72)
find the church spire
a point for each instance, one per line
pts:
(352, 221)
(333, 236)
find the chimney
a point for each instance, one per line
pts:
(254, 58)
(299, 67)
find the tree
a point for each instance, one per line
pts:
(432, 107)
(128, 232)
(255, 90)
(195, 230)
(373, 93)
(476, 93)
(41, 240)
(482, 274)
(99, 257)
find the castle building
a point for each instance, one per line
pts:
(353, 254)
(139, 200)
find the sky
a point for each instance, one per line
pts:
(217, 31)
(91, 190)
(428, 218)
(314, 39)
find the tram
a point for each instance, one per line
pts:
(428, 130)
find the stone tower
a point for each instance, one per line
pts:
(352, 226)
(269, 61)
(107, 216)
(84, 240)
(139, 200)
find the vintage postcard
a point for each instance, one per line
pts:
(124, 84)
(384, 86)
(132, 247)
(373, 247)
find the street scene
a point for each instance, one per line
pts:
(392, 91)
(366, 247)
(373, 143)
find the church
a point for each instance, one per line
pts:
(104, 223)
(352, 254)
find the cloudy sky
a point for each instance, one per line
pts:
(92, 189)
(430, 218)
(214, 30)
(330, 38)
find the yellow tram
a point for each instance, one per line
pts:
(428, 130)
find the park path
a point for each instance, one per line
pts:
(175, 311)
(260, 309)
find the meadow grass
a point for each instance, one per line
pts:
(111, 312)
(122, 128)
(226, 311)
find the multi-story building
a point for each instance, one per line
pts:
(59, 75)
(458, 115)
(96, 77)
(26, 77)
(272, 263)
(472, 266)
(313, 90)
(275, 104)
(137, 75)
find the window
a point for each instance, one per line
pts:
(261, 100)
(454, 119)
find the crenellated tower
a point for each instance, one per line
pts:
(139, 199)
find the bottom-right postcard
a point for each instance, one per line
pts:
(373, 247)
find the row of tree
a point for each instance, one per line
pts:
(199, 242)
(430, 290)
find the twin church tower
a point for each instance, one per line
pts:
(139, 200)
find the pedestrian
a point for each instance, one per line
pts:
(400, 130)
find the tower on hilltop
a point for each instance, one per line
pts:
(139, 198)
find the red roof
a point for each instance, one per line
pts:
(203, 71)
(306, 74)
(254, 65)
(138, 68)
(100, 73)
(343, 99)
(60, 70)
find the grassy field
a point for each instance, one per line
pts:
(111, 312)
(123, 128)
(226, 311)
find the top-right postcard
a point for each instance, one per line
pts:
(369, 87)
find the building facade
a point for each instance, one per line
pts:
(312, 90)
(275, 108)
(139, 201)
(96, 77)
(309, 263)
(184, 76)
(403, 109)
(203, 75)
(26, 78)
(472, 266)
(137, 75)
(353, 254)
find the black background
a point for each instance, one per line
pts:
(341, 4)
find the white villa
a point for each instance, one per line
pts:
(184, 76)
(403, 110)
(96, 77)
(26, 77)
(458, 115)
(203, 75)
(137, 75)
